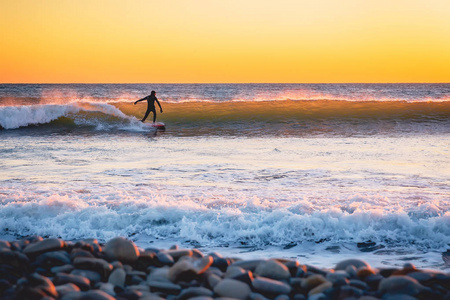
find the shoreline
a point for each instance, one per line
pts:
(319, 255)
(37, 268)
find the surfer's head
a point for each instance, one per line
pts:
(153, 92)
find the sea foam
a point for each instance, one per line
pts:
(212, 222)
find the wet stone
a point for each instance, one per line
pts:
(220, 263)
(94, 243)
(373, 281)
(165, 259)
(54, 258)
(357, 263)
(42, 246)
(272, 269)
(292, 266)
(145, 260)
(187, 269)
(364, 272)
(358, 284)
(400, 285)
(213, 280)
(196, 298)
(5, 244)
(93, 276)
(246, 277)
(247, 264)
(117, 278)
(334, 276)
(159, 274)
(312, 281)
(66, 288)
(197, 253)
(122, 250)
(82, 282)
(195, 292)
(319, 296)
(97, 295)
(320, 288)
(350, 291)
(233, 271)
(176, 254)
(399, 297)
(165, 287)
(282, 297)
(351, 271)
(80, 253)
(98, 265)
(256, 296)
(40, 285)
(421, 276)
(269, 286)
(232, 289)
(62, 269)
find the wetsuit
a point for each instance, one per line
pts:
(150, 106)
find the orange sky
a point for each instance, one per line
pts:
(62, 41)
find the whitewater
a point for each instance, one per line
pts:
(314, 172)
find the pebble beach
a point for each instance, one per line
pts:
(51, 268)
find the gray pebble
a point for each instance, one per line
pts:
(270, 286)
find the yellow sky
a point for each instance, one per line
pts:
(52, 41)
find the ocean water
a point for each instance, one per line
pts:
(317, 172)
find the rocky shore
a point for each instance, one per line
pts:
(37, 268)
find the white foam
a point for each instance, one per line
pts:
(12, 117)
(214, 222)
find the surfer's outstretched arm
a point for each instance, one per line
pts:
(145, 98)
(160, 108)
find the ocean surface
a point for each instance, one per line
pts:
(317, 172)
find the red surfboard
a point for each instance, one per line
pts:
(159, 125)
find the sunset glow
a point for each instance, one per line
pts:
(175, 41)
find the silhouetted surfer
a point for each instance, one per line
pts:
(150, 105)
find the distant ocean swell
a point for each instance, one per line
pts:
(245, 114)
(213, 222)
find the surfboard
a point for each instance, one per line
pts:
(159, 125)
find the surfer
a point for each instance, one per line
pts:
(150, 105)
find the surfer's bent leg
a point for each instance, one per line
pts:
(154, 115)
(146, 115)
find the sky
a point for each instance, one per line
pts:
(233, 41)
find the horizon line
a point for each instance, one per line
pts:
(225, 82)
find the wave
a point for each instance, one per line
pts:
(98, 115)
(290, 118)
(250, 222)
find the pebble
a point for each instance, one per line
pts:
(357, 263)
(43, 246)
(121, 249)
(272, 269)
(66, 288)
(166, 287)
(165, 259)
(185, 268)
(269, 286)
(36, 268)
(312, 281)
(320, 288)
(247, 264)
(335, 276)
(82, 282)
(232, 289)
(93, 277)
(98, 265)
(398, 284)
(117, 277)
(195, 292)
